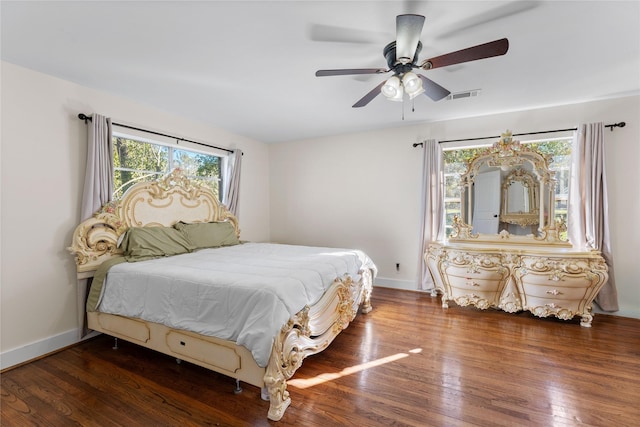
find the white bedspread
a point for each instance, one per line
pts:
(243, 293)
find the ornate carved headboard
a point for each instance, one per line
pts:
(158, 203)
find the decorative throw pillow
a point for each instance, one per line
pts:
(209, 234)
(142, 243)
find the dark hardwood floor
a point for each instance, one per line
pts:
(407, 363)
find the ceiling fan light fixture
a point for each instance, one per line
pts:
(398, 97)
(412, 85)
(391, 89)
(416, 93)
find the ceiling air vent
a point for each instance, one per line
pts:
(462, 95)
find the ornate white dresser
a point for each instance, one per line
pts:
(547, 282)
(540, 273)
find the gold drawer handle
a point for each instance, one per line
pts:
(554, 292)
(470, 282)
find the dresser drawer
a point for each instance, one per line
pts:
(563, 280)
(554, 292)
(496, 273)
(553, 304)
(492, 297)
(476, 283)
(479, 299)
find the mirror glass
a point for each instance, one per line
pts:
(516, 198)
(520, 202)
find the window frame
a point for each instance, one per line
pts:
(172, 146)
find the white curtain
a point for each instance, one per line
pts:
(98, 190)
(231, 193)
(98, 179)
(588, 226)
(432, 207)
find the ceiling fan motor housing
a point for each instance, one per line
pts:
(398, 67)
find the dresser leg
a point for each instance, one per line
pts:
(445, 303)
(586, 319)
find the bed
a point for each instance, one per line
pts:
(251, 311)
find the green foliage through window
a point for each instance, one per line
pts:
(138, 161)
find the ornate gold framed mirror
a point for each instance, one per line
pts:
(508, 192)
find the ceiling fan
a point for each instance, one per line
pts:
(402, 57)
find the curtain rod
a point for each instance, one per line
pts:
(611, 126)
(84, 117)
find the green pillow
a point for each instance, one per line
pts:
(142, 243)
(209, 234)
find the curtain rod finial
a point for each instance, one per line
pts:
(84, 117)
(615, 125)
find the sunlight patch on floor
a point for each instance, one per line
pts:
(322, 378)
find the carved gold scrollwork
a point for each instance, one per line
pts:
(552, 309)
(473, 299)
(97, 236)
(556, 275)
(346, 310)
(510, 303)
(287, 354)
(458, 258)
(474, 268)
(486, 261)
(460, 230)
(175, 179)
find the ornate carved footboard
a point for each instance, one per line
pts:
(175, 198)
(310, 332)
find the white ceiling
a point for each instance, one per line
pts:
(248, 66)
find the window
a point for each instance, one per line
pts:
(138, 161)
(455, 165)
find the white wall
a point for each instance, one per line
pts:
(43, 156)
(362, 190)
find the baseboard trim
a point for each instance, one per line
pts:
(634, 313)
(30, 352)
(408, 285)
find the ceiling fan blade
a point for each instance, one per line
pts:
(408, 31)
(350, 71)
(432, 89)
(504, 10)
(335, 34)
(412, 6)
(481, 51)
(368, 97)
